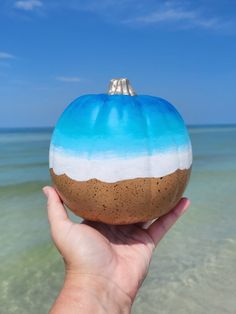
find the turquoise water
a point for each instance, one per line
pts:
(96, 121)
(193, 269)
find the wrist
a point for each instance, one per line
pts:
(88, 293)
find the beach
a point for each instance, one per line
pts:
(125, 201)
(193, 268)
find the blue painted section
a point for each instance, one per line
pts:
(119, 125)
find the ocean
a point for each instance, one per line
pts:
(193, 269)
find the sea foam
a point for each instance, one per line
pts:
(116, 169)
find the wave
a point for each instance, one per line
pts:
(116, 169)
(24, 188)
(14, 166)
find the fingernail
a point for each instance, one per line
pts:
(186, 205)
(45, 191)
(183, 211)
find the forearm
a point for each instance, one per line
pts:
(88, 294)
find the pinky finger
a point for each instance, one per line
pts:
(159, 228)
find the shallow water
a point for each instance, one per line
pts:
(193, 269)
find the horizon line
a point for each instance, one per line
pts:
(52, 127)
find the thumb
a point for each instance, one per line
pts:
(56, 211)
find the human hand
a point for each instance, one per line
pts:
(105, 264)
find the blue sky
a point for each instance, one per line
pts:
(53, 51)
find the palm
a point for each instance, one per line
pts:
(118, 253)
(122, 253)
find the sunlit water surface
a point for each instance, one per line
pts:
(192, 271)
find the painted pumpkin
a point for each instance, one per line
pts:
(120, 158)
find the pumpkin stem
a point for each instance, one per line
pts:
(120, 86)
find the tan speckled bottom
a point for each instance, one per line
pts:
(122, 202)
